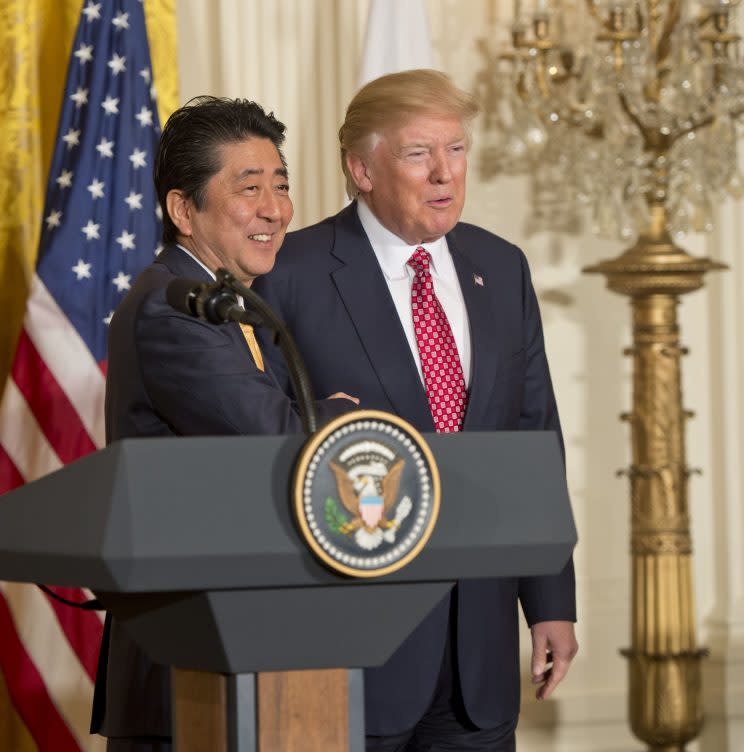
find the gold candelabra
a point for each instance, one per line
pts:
(639, 122)
(665, 692)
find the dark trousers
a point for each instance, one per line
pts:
(445, 726)
(139, 744)
(438, 735)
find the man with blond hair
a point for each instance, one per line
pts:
(416, 313)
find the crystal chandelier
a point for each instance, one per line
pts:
(617, 105)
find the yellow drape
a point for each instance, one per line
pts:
(36, 38)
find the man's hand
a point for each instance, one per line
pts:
(553, 648)
(343, 395)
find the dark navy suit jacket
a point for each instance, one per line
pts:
(330, 291)
(172, 375)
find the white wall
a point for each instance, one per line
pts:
(299, 58)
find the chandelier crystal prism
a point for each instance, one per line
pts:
(643, 108)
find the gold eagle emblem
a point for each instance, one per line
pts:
(368, 498)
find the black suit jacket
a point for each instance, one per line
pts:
(329, 289)
(173, 375)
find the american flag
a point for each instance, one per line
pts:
(99, 229)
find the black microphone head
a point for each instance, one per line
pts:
(215, 305)
(181, 294)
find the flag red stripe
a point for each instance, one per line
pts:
(82, 628)
(57, 418)
(10, 478)
(28, 691)
(61, 425)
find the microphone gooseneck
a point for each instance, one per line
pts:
(216, 302)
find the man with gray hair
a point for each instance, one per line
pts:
(416, 313)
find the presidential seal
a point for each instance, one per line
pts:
(366, 493)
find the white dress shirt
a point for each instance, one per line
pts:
(392, 254)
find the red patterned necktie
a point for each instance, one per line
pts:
(440, 363)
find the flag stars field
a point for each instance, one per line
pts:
(80, 97)
(110, 105)
(105, 148)
(91, 230)
(126, 240)
(122, 281)
(65, 179)
(53, 219)
(121, 21)
(82, 269)
(92, 11)
(117, 64)
(133, 200)
(71, 138)
(96, 189)
(138, 157)
(84, 53)
(144, 116)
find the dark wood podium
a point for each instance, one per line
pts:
(191, 544)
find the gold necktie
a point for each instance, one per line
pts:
(250, 338)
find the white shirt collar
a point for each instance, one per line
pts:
(392, 252)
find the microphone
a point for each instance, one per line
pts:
(217, 303)
(211, 301)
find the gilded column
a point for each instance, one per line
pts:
(665, 698)
(665, 688)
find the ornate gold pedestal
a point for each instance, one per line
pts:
(665, 705)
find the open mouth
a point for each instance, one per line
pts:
(444, 201)
(261, 238)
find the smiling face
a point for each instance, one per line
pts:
(246, 211)
(413, 177)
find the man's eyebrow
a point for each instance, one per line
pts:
(423, 144)
(249, 171)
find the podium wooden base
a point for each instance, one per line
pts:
(199, 711)
(283, 711)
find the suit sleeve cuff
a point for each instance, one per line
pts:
(549, 598)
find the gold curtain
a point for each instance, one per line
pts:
(36, 39)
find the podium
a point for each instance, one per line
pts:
(190, 543)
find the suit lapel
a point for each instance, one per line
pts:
(484, 331)
(182, 265)
(362, 287)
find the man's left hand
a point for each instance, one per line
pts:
(553, 648)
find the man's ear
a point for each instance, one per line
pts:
(179, 210)
(359, 169)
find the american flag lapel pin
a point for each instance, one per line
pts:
(478, 280)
